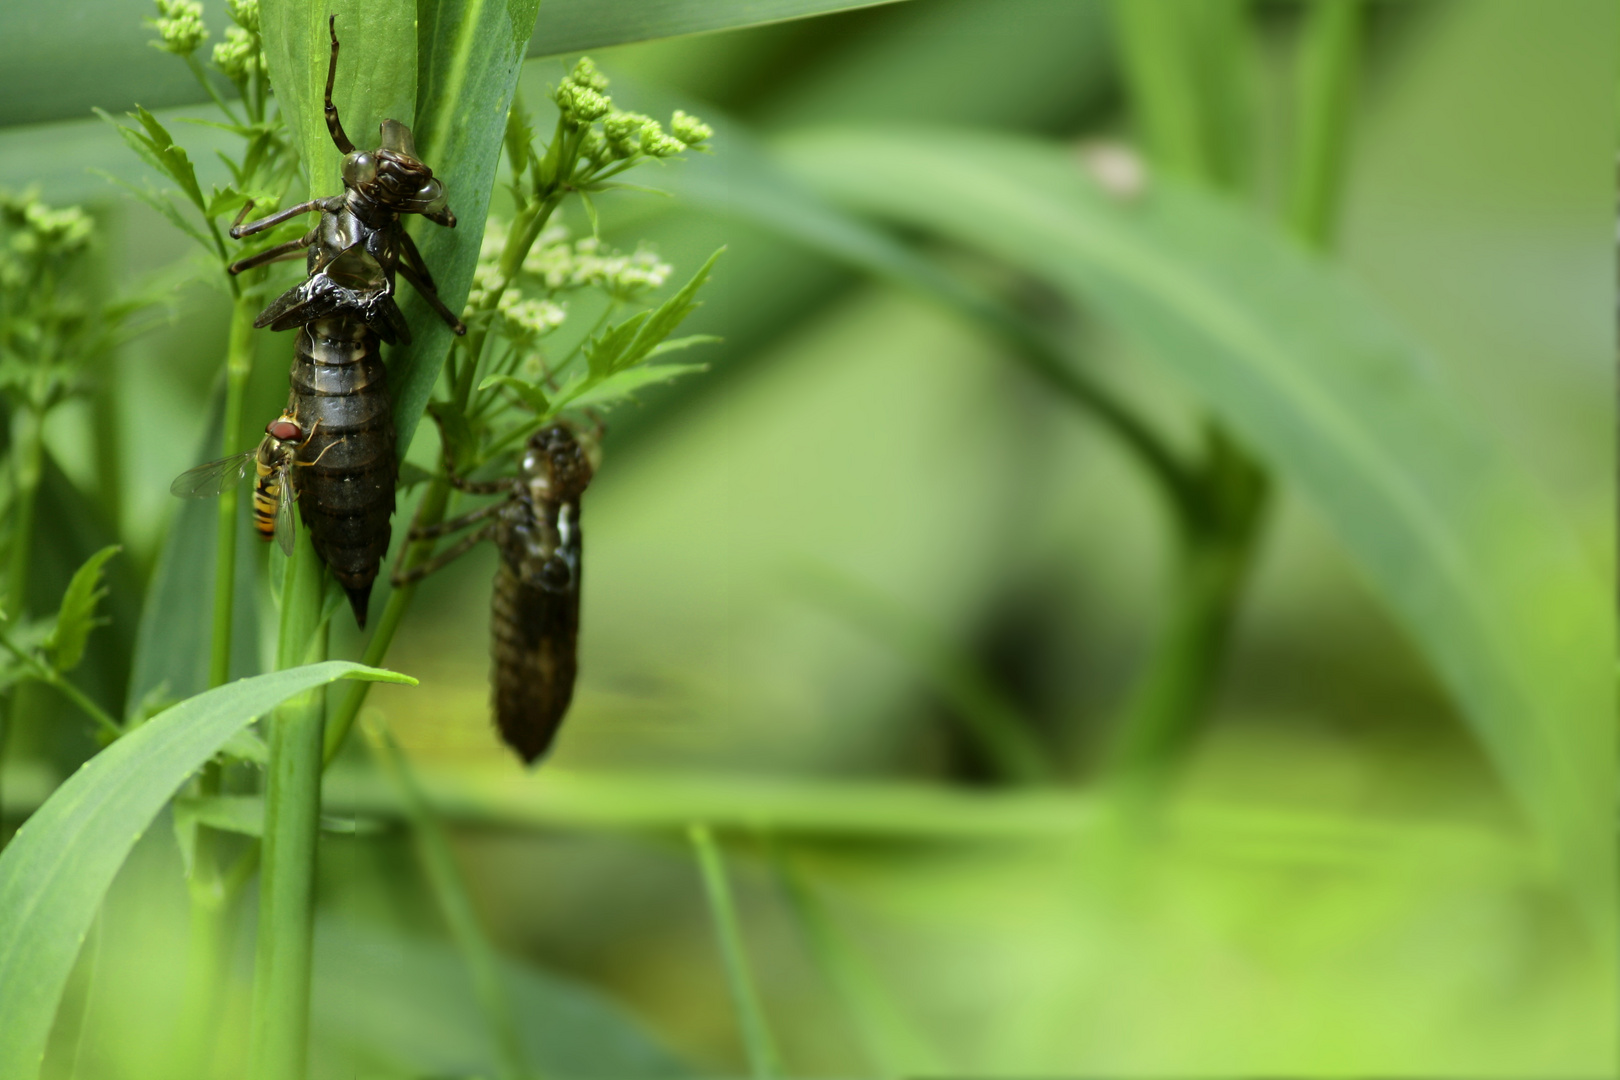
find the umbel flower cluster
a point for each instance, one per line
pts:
(181, 31)
(558, 264)
(620, 136)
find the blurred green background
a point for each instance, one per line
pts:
(1338, 886)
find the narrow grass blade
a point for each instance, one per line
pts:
(763, 1062)
(57, 868)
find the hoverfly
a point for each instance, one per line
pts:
(272, 461)
(534, 609)
(344, 310)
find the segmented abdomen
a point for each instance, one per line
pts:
(346, 466)
(266, 490)
(535, 624)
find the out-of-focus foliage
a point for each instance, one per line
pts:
(825, 575)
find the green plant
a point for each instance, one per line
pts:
(925, 765)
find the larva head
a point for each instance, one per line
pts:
(393, 176)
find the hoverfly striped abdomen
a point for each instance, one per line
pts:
(271, 461)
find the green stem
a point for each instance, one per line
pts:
(429, 512)
(47, 674)
(205, 949)
(1326, 95)
(763, 1061)
(433, 846)
(890, 1041)
(238, 366)
(1176, 687)
(27, 463)
(1163, 82)
(279, 1035)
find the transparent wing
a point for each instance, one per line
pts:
(286, 523)
(208, 480)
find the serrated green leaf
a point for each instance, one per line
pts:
(58, 866)
(77, 615)
(626, 383)
(677, 344)
(532, 396)
(171, 158)
(157, 201)
(606, 354)
(667, 316)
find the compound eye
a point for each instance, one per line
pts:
(359, 169)
(284, 430)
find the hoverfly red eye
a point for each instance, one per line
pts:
(284, 430)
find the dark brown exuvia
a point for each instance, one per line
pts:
(535, 607)
(344, 310)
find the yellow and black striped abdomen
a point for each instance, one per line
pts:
(266, 494)
(269, 474)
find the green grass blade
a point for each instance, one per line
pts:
(57, 868)
(763, 1060)
(1476, 563)
(572, 25)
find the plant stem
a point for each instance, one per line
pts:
(27, 459)
(205, 948)
(1326, 93)
(279, 1040)
(429, 512)
(483, 964)
(1175, 688)
(891, 1043)
(1163, 82)
(238, 366)
(763, 1062)
(47, 674)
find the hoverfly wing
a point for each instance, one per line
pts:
(206, 481)
(286, 523)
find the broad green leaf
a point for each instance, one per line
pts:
(572, 25)
(77, 615)
(60, 863)
(104, 43)
(1481, 570)
(469, 55)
